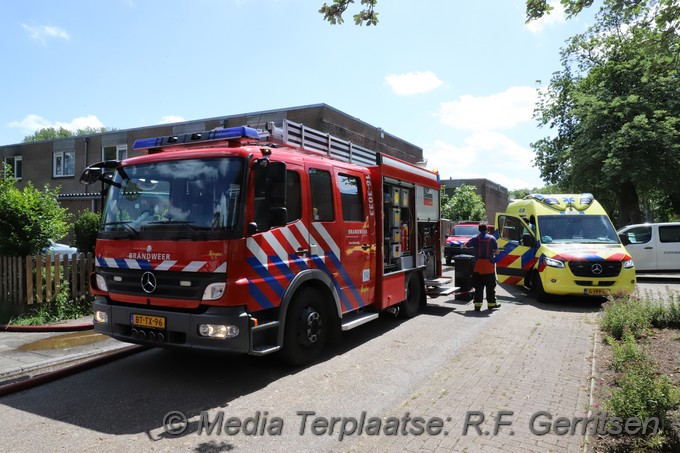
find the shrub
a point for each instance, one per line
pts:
(59, 309)
(29, 217)
(643, 394)
(85, 229)
(626, 352)
(667, 313)
(627, 314)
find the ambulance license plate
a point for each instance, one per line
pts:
(156, 322)
(596, 292)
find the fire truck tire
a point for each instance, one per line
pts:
(411, 306)
(307, 328)
(537, 287)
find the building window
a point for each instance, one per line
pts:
(64, 163)
(114, 152)
(14, 163)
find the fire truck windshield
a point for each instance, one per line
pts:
(180, 199)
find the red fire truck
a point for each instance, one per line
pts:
(261, 241)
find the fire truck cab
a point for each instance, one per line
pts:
(261, 241)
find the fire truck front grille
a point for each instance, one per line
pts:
(595, 269)
(171, 285)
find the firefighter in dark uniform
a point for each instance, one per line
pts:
(484, 273)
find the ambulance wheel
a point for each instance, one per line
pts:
(307, 327)
(411, 306)
(537, 287)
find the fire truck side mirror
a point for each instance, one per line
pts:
(98, 172)
(278, 216)
(276, 175)
(91, 175)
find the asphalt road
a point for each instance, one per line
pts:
(376, 370)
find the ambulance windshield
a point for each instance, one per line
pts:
(197, 199)
(580, 229)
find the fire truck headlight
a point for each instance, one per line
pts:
(214, 291)
(101, 282)
(220, 331)
(554, 263)
(628, 264)
(101, 317)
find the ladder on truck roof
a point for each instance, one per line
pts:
(306, 138)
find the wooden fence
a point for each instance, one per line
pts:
(37, 279)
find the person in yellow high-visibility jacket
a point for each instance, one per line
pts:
(484, 273)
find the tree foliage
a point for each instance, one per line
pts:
(51, 133)
(333, 12)
(85, 229)
(29, 218)
(615, 114)
(464, 204)
(521, 193)
(535, 9)
(666, 14)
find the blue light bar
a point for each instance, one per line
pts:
(230, 133)
(586, 198)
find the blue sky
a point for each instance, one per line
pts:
(457, 78)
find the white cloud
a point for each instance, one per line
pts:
(172, 119)
(485, 154)
(449, 159)
(42, 33)
(32, 123)
(413, 82)
(498, 111)
(556, 16)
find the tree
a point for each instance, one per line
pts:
(615, 114)
(85, 230)
(669, 10)
(51, 133)
(333, 13)
(464, 204)
(29, 218)
(535, 9)
(521, 193)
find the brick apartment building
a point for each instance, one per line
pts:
(60, 162)
(494, 196)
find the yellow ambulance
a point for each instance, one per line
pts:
(562, 245)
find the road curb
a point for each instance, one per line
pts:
(47, 328)
(22, 379)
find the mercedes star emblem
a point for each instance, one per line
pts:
(148, 282)
(596, 268)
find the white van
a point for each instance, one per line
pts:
(653, 246)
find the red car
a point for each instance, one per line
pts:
(460, 234)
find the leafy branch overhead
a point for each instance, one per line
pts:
(333, 13)
(535, 9)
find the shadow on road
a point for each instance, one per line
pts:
(132, 395)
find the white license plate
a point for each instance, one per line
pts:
(596, 292)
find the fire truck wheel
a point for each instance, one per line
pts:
(411, 306)
(537, 287)
(307, 327)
